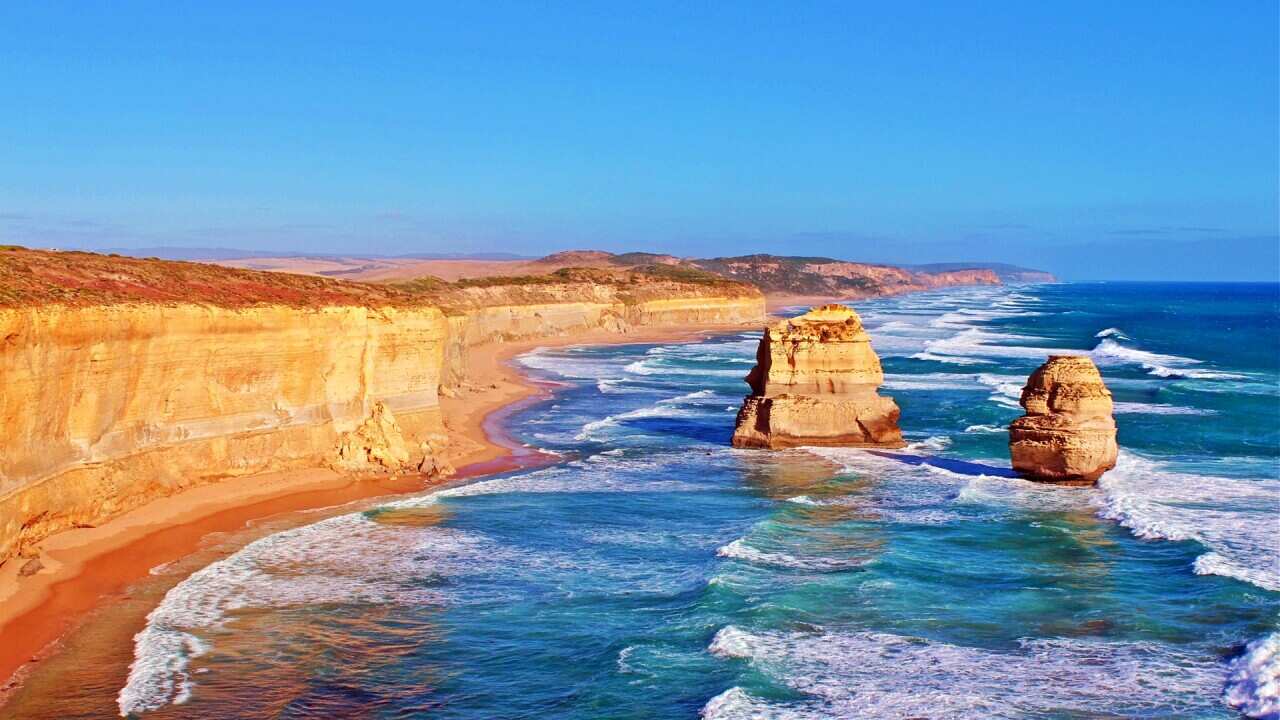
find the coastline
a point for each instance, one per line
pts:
(87, 568)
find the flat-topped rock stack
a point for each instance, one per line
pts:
(1068, 434)
(815, 383)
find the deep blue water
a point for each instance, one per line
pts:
(658, 573)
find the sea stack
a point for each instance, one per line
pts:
(1068, 434)
(815, 383)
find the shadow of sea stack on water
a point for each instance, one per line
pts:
(815, 382)
(1068, 434)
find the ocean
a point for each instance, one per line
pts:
(655, 572)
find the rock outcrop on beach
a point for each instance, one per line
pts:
(815, 383)
(126, 380)
(378, 445)
(1068, 434)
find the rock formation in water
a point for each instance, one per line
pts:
(815, 383)
(1068, 434)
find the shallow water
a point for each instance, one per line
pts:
(658, 573)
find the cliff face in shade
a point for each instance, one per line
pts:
(1068, 434)
(815, 383)
(116, 392)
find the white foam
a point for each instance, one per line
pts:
(928, 381)
(740, 550)
(985, 429)
(1109, 349)
(1134, 408)
(879, 675)
(975, 342)
(934, 443)
(690, 398)
(1112, 332)
(736, 704)
(1233, 518)
(1192, 374)
(565, 363)
(324, 562)
(1006, 389)
(653, 367)
(1253, 681)
(805, 500)
(616, 386)
(670, 408)
(1159, 365)
(949, 359)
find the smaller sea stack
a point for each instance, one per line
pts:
(815, 383)
(1068, 434)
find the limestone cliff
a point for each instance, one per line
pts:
(117, 391)
(1068, 434)
(108, 407)
(815, 383)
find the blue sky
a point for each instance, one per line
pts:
(1102, 140)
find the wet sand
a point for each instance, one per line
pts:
(87, 568)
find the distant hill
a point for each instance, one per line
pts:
(199, 253)
(829, 277)
(1006, 272)
(779, 275)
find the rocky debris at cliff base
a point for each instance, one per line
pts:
(378, 445)
(815, 383)
(1068, 434)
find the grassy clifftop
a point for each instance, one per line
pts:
(40, 277)
(628, 286)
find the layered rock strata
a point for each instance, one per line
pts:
(108, 403)
(815, 383)
(1068, 434)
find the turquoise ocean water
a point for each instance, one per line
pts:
(657, 573)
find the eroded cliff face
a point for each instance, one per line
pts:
(503, 313)
(815, 383)
(1068, 434)
(109, 406)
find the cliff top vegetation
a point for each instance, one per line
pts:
(39, 277)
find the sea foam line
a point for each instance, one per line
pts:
(862, 674)
(1233, 518)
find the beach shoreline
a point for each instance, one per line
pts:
(85, 568)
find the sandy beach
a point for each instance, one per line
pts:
(84, 568)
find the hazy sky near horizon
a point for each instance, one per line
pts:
(1100, 140)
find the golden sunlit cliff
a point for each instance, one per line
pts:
(128, 380)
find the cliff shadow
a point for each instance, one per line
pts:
(960, 467)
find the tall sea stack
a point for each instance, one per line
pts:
(815, 383)
(1068, 434)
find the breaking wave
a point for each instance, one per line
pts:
(1234, 519)
(740, 550)
(1253, 681)
(851, 674)
(1165, 366)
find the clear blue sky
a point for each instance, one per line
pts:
(1049, 134)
